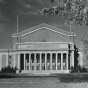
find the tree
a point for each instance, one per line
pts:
(76, 55)
(73, 10)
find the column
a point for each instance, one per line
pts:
(50, 61)
(6, 59)
(14, 61)
(72, 56)
(61, 61)
(45, 60)
(72, 59)
(40, 61)
(24, 61)
(34, 61)
(29, 60)
(18, 57)
(56, 60)
(67, 60)
(80, 59)
(0, 61)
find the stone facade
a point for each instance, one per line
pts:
(41, 49)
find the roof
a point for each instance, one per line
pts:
(39, 27)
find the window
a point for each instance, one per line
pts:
(37, 58)
(32, 57)
(59, 58)
(64, 57)
(54, 58)
(27, 58)
(59, 61)
(48, 57)
(64, 60)
(48, 61)
(43, 58)
(22, 61)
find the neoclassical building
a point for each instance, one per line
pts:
(40, 49)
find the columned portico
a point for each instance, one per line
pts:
(44, 61)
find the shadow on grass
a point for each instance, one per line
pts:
(8, 75)
(66, 78)
(77, 77)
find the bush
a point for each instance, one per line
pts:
(78, 69)
(8, 69)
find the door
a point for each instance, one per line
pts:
(21, 61)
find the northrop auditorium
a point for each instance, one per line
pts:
(42, 48)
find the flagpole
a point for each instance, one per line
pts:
(17, 42)
(17, 31)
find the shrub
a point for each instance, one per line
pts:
(78, 69)
(8, 69)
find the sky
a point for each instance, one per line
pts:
(27, 10)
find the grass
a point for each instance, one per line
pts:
(72, 77)
(73, 80)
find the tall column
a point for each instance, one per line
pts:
(50, 61)
(24, 61)
(72, 56)
(34, 61)
(72, 59)
(61, 61)
(56, 60)
(67, 61)
(29, 60)
(14, 61)
(6, 59)
(0, 61)
(45, 60)
(80, 58)
(18, 57)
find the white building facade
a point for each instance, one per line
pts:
(40, 49)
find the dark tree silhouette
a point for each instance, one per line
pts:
(76, 55)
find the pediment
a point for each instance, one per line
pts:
(44, 33)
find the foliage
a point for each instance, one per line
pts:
(76, 55)
(8, 69)
(78, 69)
(74, 10)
